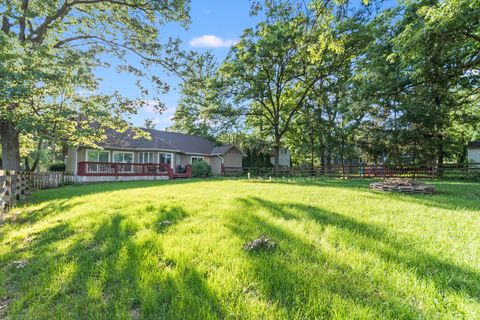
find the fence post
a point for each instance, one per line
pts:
(8, 191)
(28, 177)
(3, 197)
(18, 186)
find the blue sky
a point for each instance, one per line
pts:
(215, 25)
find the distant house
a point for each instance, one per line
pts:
(283, 158)
(473, 150)
(167, 155)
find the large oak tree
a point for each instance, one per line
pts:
(48, 52)
(275, 65)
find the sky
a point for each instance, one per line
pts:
(215, 25)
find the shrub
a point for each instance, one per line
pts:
(57, 166)
(201, 169)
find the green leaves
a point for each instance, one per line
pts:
(50, 48)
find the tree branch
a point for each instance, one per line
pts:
(21, 34)
(113, 43)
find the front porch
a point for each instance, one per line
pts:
(89, 171)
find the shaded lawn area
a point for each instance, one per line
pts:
(344, 252)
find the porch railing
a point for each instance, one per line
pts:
(88, 168)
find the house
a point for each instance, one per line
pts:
(473, 150)
(166, 155)
(283, 158)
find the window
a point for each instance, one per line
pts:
(165, 158)
(98, 156)
(145, 157)
(123, 157)
(196, 159)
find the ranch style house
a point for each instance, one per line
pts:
(167, 155)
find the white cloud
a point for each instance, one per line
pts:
(157, 121)
(211, 41)
(162, 121)
(149, 106)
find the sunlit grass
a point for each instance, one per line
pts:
(343, 251)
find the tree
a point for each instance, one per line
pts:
(48, 51)
(441, 58)
(275, 65)
(419, 81)
(149, 124)
(205, 107)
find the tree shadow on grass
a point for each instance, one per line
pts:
(111, 273)
(78, 190)
(36, 253)
(366, 237)
(450, 195)
(53, 208)
(285, 274)
(166, 217)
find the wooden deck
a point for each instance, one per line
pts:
(115, 169)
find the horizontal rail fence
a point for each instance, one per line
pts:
(17, 185)
(447, 171)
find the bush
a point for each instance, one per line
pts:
(201, 169)
(57, 166)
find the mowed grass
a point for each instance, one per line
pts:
(343, 252)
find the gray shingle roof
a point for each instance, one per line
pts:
(164, 140)
(221, 149)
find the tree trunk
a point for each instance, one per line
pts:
(276, 149)
(463, 156)
(312, 151)
(9, 138)
(37, 155)
(441, 155)
(322, 161)
(27, 164)
(342, 159)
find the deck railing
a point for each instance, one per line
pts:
(88, 168)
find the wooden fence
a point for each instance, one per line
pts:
(17, 185)
(447, 171)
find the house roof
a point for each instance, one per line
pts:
(220, 150)
(164, 140)
(474, 144)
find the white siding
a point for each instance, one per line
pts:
(283, 159)
(216, 164)
(474, 154)
(232, 159)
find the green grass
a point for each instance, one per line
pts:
(343, 252)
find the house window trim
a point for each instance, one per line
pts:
(142, 153)
(131, 163)
(117, 152)
(198, 157)
(171, 157)
(98, 157)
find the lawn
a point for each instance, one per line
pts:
(104, 251)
